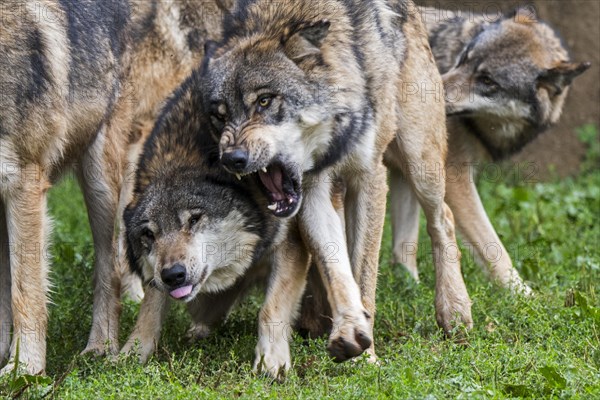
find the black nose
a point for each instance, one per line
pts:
(236, 160)
(173, 276)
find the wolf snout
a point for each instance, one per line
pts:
(174, 276)
(235, 160)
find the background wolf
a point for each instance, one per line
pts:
(63, 67)
(506, 82)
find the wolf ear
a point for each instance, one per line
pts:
(561, 76)
(305, 39)
(523, 15)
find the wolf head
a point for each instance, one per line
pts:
(262, 93)
(189, 233)
(511, 81)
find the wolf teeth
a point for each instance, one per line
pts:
(290, 201)
(264, 169)
(272, 207)
(238, 176)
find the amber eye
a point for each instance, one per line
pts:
(265, 101)
(486, 80)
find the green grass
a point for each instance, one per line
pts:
(546, 346)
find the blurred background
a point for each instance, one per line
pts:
(559, 151)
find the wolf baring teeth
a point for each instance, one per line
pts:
(263, 87)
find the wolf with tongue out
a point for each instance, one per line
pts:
(303, 94)
(197, 235)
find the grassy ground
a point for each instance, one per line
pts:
(548, 345)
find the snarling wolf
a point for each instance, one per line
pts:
(506, 82)
(198, 235)
(304, 94)
(63, 105)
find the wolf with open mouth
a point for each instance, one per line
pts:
(304, 94)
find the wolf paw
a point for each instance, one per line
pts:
(99, 348)
(350, 337)
(137, 346)
(272, 358)
(452, 310)
(22, 369)
(197, 331)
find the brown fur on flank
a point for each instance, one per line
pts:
(63, 105)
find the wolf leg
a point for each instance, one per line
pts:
(315, 313)
(475, 226)
(405, 222)
(143, 341)
(28, 230)
(5, 301)
(365, 214)
(427, 181)
(284, 293)
(101, 176)
(451, 299)
(208, 310)
(421, 144)
(322, 231)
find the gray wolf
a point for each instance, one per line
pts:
(198, 235)
(167, 42)
(63, 71)
(304, 94)
(506, 82)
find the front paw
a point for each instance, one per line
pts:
(22, 369)
(141, 347)
(272, 358)
(197, 331)
(99, 349)
(350, 336)
(453, 309)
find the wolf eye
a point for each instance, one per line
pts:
(264, 102)
(487, 81)
(194, 219)
(147, 237)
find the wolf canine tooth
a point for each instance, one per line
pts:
(272, 207)
(238, 176)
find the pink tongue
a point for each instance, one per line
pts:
(273, 181)
(181, 292)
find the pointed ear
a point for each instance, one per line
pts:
(523, 15)
(561, 76)
(305, 39)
